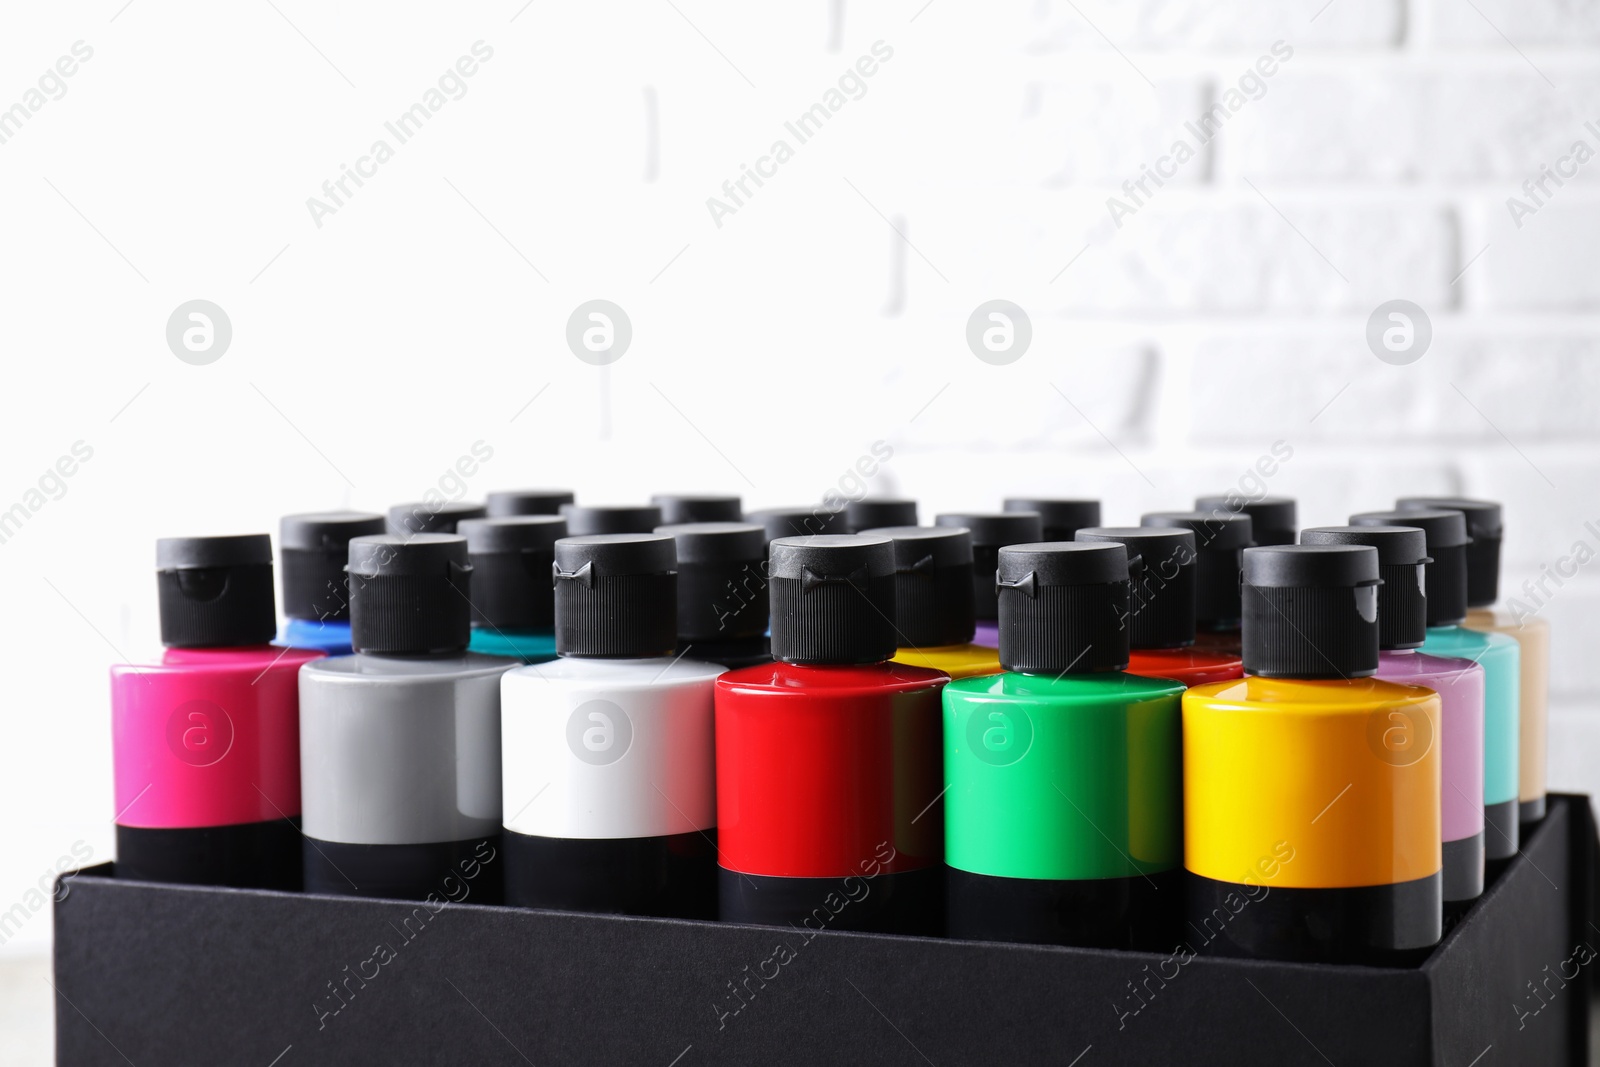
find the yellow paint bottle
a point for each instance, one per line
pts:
(933, 596)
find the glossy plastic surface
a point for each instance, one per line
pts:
(529, 646)
(1189, 666)
(958, 661)
(1532, 634)
(1459, 683)
(1501, 659)
(329, 636)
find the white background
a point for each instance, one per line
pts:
(429, 312)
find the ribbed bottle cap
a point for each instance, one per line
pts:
(511, 559)
(798, 522)
(509, 502)
(1445, 575)
(1311, 611)
(1484, 527)
(586, 519)
(1059, 518)
(1161, 580)
(722, 584)
(616, 595)
(409, 594)
(991, 531)
(313, 549)
(932, 584)
(427, 518)
(1063, 606)
(1218, 541)
(832, 599)
(1273, 519)
(678, 509)
(1402, 559)
(877, 513)
(215, 592)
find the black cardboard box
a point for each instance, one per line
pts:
(158, 974)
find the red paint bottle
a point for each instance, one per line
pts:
(829, 765)
(1161, 606)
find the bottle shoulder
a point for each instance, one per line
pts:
(366, 667)
(1471, 644)
(802, 678)
(1332, 695)
(651, 672)
(1110, 686)
(1499, 620)
(1425, 668)
(958, 661)
(253, 658)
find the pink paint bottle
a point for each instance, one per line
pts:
(206, 743)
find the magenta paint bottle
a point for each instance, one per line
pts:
(206, 743)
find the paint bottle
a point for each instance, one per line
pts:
(1500, 657)
(1063, 817)
(400, 743)
(828, 781)
(513, 606)
(423, 517)
(205, 744)
(609, 770)
(586, 519)
(1059, 518)
(990, 532)
(1402, 629)
(722, 591)
(1161, 592)
(1219, 542)
(1531, 632)
(316, 601)
(799, 522)
(1272, 518)
(933, 600)
(511, 502)
(1311, 833)
(876, 513)
(678, 509)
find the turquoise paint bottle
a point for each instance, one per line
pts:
(513, 601)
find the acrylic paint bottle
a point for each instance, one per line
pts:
(609, 771)
(423, 517)
(1161, 592)
(1273, 519)
(316, 601)
(1311, 823)
(1402, 629)
(1531, 632)
(511, 502)
(400, 743)
(933, 600)
(513, 606)
(990, 532)
(680, 508)
(828, 760)
(876, 513)
(1219, 542)
(1059, 518)
(586, 519)
(205, 744)
(1500, 657)
(722, 592)
(1063, 817)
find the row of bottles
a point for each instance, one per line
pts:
(1015, 726)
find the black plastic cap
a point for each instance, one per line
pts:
(1273, 519)
(798, 522)
(313, 549)
(509, 502)
(1311, 611)
(932, 584)
(215, 592)
(1485, 527)
(616, 595)
(832, 599)
(586, 519)
(1402, 561)
(1063, 607)
(1445, 575)
(409, 594)
(878, 513)
(991, 531)
(426, 518)
(1219, 539)
(722, 582)
(1060, 518)
(511, 559)
(678, 509)
(1161, 582)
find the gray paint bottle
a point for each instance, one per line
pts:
(400, 743)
